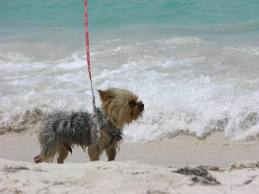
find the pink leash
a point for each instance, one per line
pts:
(89, 67)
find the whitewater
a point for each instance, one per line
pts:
(187, 84)
(197, 72)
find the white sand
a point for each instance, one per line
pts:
(153, 171)
(117, 177)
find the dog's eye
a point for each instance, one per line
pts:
(132, 103)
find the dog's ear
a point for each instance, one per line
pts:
(105, 95)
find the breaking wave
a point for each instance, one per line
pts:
(188, 85)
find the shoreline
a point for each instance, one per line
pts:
(180, 151)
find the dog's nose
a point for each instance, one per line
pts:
(141, 106)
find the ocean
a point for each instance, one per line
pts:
(194, 63)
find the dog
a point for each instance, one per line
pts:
(61, 130)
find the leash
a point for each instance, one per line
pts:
(89, 66)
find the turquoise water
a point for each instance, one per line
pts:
(194, 63)
(115, 18)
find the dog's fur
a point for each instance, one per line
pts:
(61, 130)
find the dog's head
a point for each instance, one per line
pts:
(121, 106)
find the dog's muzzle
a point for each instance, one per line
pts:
(141, 106)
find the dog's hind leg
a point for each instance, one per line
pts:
(94, 152)
(62, 154)
(38, 159)
(47, 157)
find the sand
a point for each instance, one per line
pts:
(120, 177)
(179, 151)
(139, 168)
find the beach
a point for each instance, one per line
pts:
(118, 177)
(180, 151)
(139, 168)
(193, 63)
(182, 164)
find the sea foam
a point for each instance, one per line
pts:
(188, 85)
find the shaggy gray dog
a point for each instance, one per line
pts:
(61, 130)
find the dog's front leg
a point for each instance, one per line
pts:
(111, 151)
(94, 152)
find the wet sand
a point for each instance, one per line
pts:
(179, 151)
